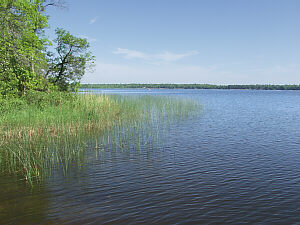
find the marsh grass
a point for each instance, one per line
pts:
(37, 138)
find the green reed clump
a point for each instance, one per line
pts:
(47, 130)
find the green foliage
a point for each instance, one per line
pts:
(54, 129)
(44, 99)
(36, 99)
(69, 64)
(21, 46)
(24, 66)
(11, 104)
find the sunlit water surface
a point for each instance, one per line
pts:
(236, 162)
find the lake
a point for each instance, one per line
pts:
(236, 162)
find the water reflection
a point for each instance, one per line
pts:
(236, 163)
(22, 204)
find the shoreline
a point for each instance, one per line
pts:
(192, 86)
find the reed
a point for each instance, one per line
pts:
(38, 138)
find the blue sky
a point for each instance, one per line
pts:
(187, 41)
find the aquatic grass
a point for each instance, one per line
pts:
(36, 139)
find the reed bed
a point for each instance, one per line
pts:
(35, 140)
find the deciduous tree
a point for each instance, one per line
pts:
(21, 47)
(71, 60)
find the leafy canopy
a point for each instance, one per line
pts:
(21, 46)
(72, 58)
(24, 63)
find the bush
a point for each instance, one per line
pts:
(43, 99)
(36, 98)
(11, 104)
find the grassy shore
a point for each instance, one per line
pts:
(44, 130)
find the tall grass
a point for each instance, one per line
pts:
(47, 132)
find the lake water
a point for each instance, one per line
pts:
(237, 162)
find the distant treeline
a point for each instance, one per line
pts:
(196, 86)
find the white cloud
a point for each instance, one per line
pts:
(280, 69)
(93, 20)
(164, 56)
(137, 73)
(89, 39)
(169, 56)
(178, 73)
(130, 54)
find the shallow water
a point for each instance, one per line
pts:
(237, 162)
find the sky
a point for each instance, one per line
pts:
(187, 41)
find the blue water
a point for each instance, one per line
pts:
(237, 162)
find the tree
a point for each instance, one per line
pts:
(70, 62)
(21, 46)
(38, 25)
(24, 64)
